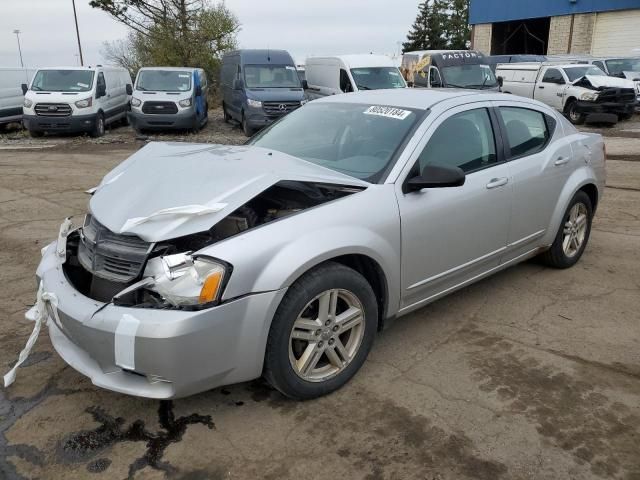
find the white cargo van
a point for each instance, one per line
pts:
(351, 73)
(582, 92)
(11, 97)
(76, 99)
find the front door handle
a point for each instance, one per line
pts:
(540, 86)
(497, 182)
(561, 161)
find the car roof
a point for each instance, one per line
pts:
(355, 61)
(178, 69)
(249, 55)
(418, 98)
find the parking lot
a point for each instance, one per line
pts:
(532, 373)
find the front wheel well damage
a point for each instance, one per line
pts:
(373, 273)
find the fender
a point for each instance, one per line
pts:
(578, 179)
(311, 250)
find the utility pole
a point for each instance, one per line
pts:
(17, 32)
(75, 16)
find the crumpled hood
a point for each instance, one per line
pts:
(168, 190)
(604, 81)
(631, 75)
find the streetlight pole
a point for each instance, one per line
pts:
(77, 31)
(17, 32)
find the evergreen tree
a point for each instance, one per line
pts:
(458, 30)
(440, 24)
(417, 37)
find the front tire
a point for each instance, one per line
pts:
(573, 234)
(36, 133)
(246, 129)
(321, 333)
(574, 116)
(98, 128)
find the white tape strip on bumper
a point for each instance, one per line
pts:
(125, 342)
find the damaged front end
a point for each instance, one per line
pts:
(605, 99)
(129, 271)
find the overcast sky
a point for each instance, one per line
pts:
(301, 27)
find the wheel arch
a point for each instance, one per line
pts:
(569, 101)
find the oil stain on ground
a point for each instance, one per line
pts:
(83, 446)
(567, 409)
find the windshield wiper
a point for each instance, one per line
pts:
(363, 87)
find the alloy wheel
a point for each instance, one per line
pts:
(575, 229)
(326, 335)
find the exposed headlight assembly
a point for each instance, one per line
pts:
(135, 102)
(27, 103)
(84, 103)
(186, 280)
(589, 96)
(185, 103)
(254, 103)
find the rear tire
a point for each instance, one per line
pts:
(574, 116)
(98, 128)
(573, 234)
(314, 347)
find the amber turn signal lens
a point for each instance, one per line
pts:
(210, 288)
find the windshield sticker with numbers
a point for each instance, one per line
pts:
(389, 112)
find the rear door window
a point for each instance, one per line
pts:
(553, 75)
(527, 131)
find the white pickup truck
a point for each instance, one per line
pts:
(582, 92)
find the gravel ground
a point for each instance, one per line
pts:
(532, 374)
(216, 131)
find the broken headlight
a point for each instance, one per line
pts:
(589, 96)
(186, 280)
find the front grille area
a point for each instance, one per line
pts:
(109, 255)
(53, 109)
(277, 109)
(617, 95)
(159, 107)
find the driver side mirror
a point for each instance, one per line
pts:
(435, 176)
(101, 90)
(305, 84)
(129, 89)
(237, 84)
(25, 88)
(500, 81)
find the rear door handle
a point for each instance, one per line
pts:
(561, 161)
(497, 182)
(540, 86)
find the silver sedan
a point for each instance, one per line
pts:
(204, 265)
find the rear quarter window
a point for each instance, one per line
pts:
(527, 131)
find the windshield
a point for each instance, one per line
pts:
(574, 73)
(63, 81)
(375, 78)
(354, 139)
(271, 76)
(164, 81)
(469, 76)
(620, 65)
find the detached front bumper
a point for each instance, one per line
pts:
(183, 120)
(612, 108)
(72, 123)
(157, 353)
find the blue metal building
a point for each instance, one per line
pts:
(599, 27)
